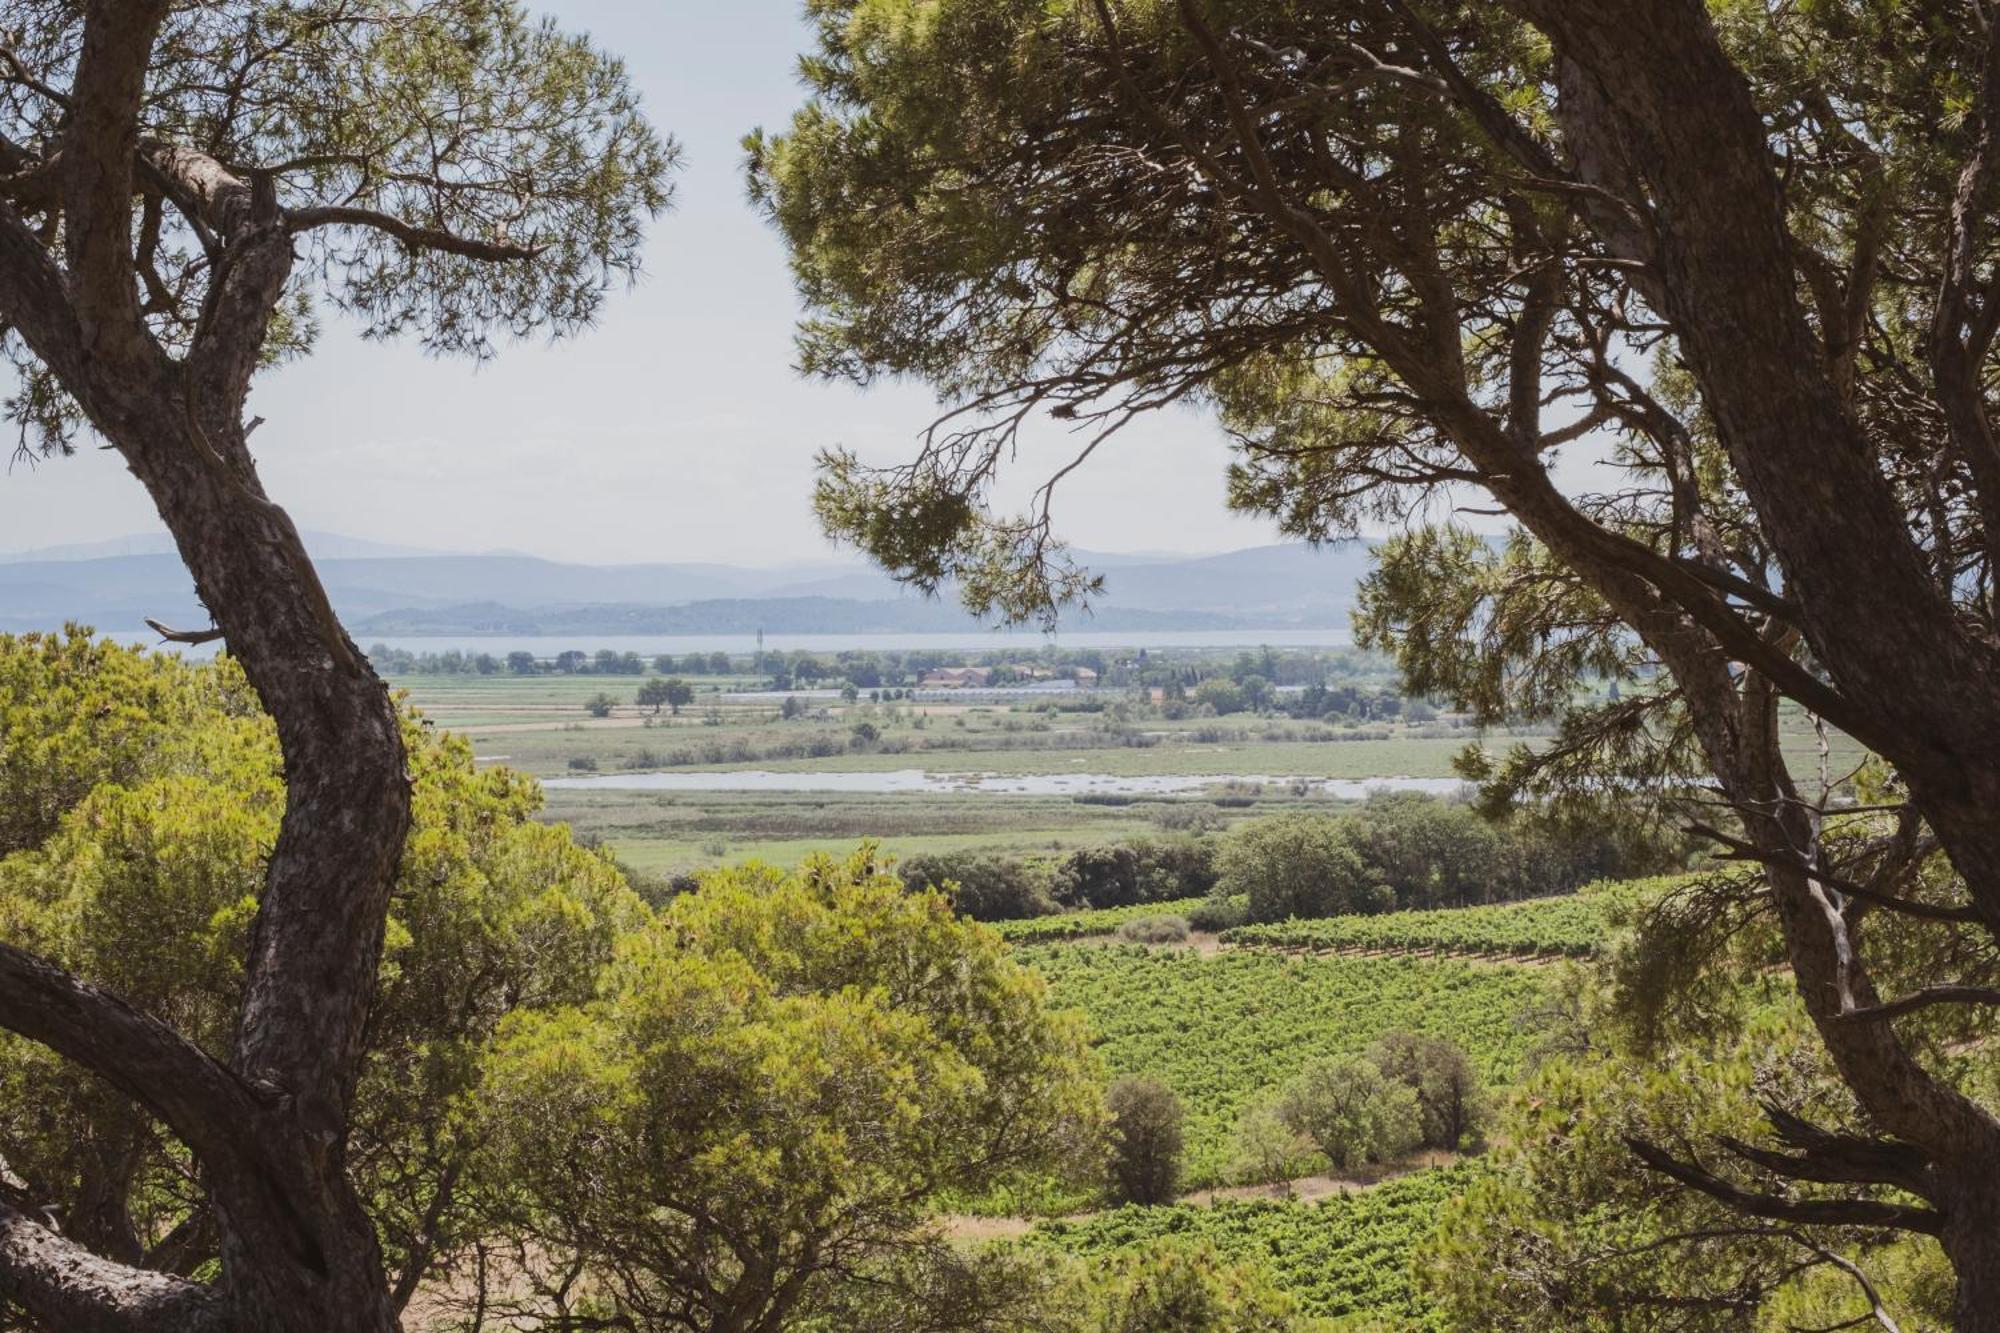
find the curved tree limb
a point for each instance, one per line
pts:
(416, 237)
(65, 1286)
(194, 1093)
(1819, 1212)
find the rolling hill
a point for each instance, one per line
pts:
(396, 591)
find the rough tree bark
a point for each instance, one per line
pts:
(269, 1126)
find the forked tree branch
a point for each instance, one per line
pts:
(1816, 1212)
(411, 235)
(64, 1286)
(194, 1093)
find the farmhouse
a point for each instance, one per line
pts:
(955, 678)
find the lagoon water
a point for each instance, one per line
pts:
(995, 784)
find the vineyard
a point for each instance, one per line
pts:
(1221, 1030)
(1346, 1258)
(1079, 925)
(1570, 926)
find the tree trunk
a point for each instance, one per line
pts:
(299, 1250)
(1971, 1241)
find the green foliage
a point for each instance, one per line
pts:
(1097, 877)
(1298, 865)
(1493, 626)
(1411, 851)
(148, 884)
(1349, 1257)
(1146, 1141)
(1091, 922)
(771, 1088)
(1174, 1285)
(1351, 1112)
(599, 705)
(1154, 930)
(1222, 1031)
(79, 713)
(1267, 1148)
(513, 222)
(1571, 926)
(983, 887)
(1569, 1229)
(672, 691)
(1221, 694)
(1450, 1098)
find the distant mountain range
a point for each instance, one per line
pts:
(394, 591)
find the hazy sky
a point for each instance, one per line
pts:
(677, 429)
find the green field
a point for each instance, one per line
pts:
(1223, 1030)
(537, 724)
(1570, 926)
(670, 832)
(1083, 925)
(1346, 1259)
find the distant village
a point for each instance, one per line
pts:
(1023, 673)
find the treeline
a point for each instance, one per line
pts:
(1315, 683)
(1397, 851)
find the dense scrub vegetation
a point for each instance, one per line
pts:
(566, 1097)
(1393, 852)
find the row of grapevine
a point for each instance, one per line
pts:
(1349, 1255)
(1080, 925)
(1222, 1031)
(1570, 926)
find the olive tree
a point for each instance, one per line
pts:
(1417, 251)
(182, 188)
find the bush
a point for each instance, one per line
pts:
(1171, 868)
(1182, 1286)
(1449, 1094)
(1352, 1112)
(1298, 865)
(1189, 817)
(1267, 1148)
(1220, 694)
(583, 763)
(1219, 914)
(1155, 930)
(985, 888)
(1098, 877)
(1146, 1122)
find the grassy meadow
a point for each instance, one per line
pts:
(539, 725)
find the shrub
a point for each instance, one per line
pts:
(1189, 817)
(1170, 868)
(1146, 1120)
(1182, 1286)
(583, 763)
(1155, 930)
(985, 888)
(1449, 1094)
(1098, 877)
(1266, 1147)
(1352, 1112)
(1220, 694)
(1219, 914)
(1298, 865)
